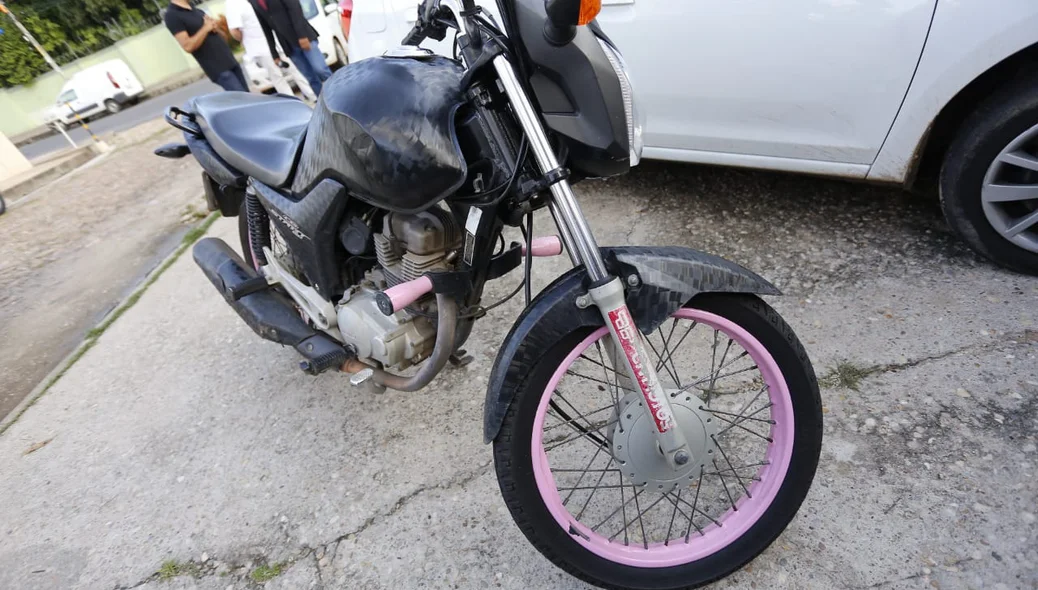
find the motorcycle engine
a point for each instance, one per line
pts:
(409, 246)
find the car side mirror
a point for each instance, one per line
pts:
(565, 15)
(331, 8)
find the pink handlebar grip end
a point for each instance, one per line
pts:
(396, 298)
(545, 246)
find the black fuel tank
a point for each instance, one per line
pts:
(384, 127)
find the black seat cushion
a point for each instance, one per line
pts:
(257, 134)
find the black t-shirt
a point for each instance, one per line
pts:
(213, 54)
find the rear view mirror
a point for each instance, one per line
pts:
(565, 15)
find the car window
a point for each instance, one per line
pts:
(309, 8)
(67, 96)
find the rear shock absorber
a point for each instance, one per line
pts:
(259, 228)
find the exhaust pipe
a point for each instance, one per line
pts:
(270, 314)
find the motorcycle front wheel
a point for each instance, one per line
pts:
(581, 473)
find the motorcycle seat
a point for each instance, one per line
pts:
(259, 135)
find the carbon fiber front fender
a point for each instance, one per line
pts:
(669, 278)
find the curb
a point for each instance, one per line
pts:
(91, 337)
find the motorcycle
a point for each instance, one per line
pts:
(655, 424)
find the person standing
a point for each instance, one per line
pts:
(298, 39)
(259, 45)
(196, 33)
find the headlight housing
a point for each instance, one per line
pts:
(635, 120)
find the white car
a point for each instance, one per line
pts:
(103, 88)
(329, 37)
(876, 91)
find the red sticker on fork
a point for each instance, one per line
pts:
(627, 333)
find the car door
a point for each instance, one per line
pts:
(753, 82)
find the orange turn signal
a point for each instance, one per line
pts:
(589, 9)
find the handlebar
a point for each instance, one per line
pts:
(415, 36)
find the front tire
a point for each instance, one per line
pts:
(724, 532)
(989, 178)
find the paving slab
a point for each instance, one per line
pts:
(181, 441)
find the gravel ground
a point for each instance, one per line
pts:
(185, 453)
(78, 245)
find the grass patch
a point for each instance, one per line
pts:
(267, 572)
(172, 569)
(846, 374)
(189, 238)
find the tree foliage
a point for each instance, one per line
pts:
(67, 30)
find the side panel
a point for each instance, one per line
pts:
(310, 228)
(804, 79)
(669, 277)
(967, 39)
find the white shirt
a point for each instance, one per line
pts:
(240, 15)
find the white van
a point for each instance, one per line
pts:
(105, 87)
(325, 20)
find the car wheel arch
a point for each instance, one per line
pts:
(925, 164)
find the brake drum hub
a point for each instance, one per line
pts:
(634, 442)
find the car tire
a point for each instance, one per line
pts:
(980, 169)
(112, 106)
(341, 58)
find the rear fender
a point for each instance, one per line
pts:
(668, 277)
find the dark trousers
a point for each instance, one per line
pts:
(311, 64)
(233, 79)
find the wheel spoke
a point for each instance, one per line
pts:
(1023, 223)
(1005, 193)
(724, 484)
(705, 379)
(665, 366)
(622, 508)
(716, 412)
(672, 515)
(1020, 158)
(666, 343)
(678, 345)
(569, 421)
(640, 522)
(581, 434)
(596, 380)
(670, 356)
(713, 380)
(573, 422)
(615, 388)
(583, 473)
(733, 423)
(730, 467)
(592, 494)
(639, 517)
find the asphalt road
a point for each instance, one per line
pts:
(146, 110)
(182, 451)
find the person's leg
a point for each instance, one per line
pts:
(294, 75)
(274, 72)
(238, 73)
(231, 81)
(317, 61)
(302, 61)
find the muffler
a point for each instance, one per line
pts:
(269, 313)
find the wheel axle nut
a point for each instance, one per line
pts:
(681, 458)
(633, 280)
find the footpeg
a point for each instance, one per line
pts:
(321, 354)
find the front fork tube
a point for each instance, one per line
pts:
(628, 339)
(608, 294)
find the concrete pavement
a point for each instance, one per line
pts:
(184, 452)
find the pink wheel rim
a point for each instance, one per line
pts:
(734, 523)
